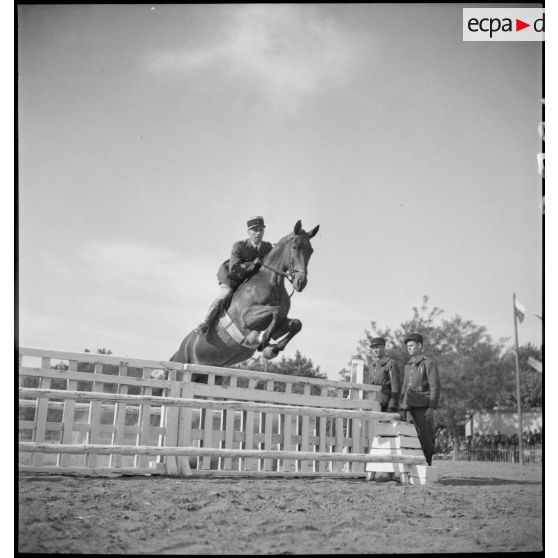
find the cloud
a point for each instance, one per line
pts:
(140, 299)
(128, 296)
(132, 268)
(288, 52)
(114, 282)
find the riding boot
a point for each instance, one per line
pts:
(212, 313)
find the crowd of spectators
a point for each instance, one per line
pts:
(498, 441)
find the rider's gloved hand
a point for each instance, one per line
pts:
(250, 267)
(257, 264)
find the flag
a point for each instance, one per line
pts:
(519, 310)
(535, 364)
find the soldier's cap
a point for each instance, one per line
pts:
(413, 337)
(377, 341)
(254, 222)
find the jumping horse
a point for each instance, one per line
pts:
(257, 312)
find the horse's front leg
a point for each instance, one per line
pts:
(264, 319)
(285, 331)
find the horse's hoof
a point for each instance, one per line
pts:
(270, 352)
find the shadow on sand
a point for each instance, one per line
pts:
(471, 481)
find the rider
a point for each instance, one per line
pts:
(246, 259)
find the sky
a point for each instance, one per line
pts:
(149, 134)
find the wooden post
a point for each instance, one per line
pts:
(68, 417)
(353, 426)
(170, 422)
(119, 421)
(304, 432)
(185, 418)
(95, 412)
(518, 387)
(41, 413)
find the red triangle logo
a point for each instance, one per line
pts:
(519, 25)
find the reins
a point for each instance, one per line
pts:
(289, 274)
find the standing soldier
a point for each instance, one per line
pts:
(384, 372)
(420, 395)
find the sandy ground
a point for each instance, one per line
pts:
(476, 507)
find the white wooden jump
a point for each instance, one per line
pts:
(85, 413)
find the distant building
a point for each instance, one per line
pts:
(503, 421)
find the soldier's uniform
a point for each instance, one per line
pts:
(421, 391)
(245, 260)
(233, 271)
(384, 372)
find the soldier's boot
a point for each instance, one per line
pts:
(212, 313)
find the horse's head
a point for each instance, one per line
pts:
(299, 252)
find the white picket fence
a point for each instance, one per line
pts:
(102, 414)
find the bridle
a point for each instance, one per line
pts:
(290, 273)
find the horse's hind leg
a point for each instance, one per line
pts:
(286, 330)
(293, 327)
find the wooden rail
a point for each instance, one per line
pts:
(214, 452)
(203, 403)
(104, 414)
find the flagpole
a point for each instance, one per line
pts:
(519, 417)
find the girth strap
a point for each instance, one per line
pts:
(230, 327)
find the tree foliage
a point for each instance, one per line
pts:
(297, 366)
(530, 381)
(476, 372)
(101, 351)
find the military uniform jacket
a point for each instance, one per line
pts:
(233, 271)
(421, 383)
(385, 372)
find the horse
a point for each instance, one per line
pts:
(257, 311)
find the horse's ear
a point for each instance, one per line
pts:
(298, 227)
(313, 232)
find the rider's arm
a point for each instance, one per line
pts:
(433, 376)
(237, 264)
(395, 377)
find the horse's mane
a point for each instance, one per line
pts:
(280, 244)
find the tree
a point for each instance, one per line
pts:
(297, 366)
(530, 381)
(101, 351)
(345, 375)
(475, 372)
